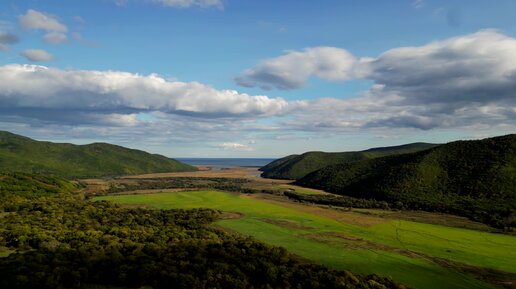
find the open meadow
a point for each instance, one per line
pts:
(420, 255)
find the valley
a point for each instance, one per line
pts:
(102, 229)
(411, 247)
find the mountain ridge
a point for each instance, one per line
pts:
(22, 154)
(294, 167)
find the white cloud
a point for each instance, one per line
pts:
(441, 84)
(294, 68)
(464, 81)
(235, 146)
(41, 21)
(37, 20)
(469, 65)
(191, 3)
(37, 55)
(479, 67)
(99, 91)
(55, 38)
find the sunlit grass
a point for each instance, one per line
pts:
(380, 248)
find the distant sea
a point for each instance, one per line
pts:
(230, 162)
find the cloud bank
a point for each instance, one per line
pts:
(466, 82)
(108, 92)
(463, 81)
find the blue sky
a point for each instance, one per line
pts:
(213, 78)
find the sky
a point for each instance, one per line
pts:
(249, 78)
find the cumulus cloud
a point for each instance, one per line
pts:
(235, 146)
(37, 55)
(479, 67)
(106, 92)
(37, 20)
(291, 70)
(191, 3)
(463, 81)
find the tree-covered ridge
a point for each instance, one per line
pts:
(295, 167)
(62, 240)
(476, 179)
(22, 154)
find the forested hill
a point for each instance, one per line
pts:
(472, 178)
(294, 167)
(22, 154)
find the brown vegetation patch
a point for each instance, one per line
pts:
(343, 236)
(286, 224)
(230, 215)
(210, 172)
(95, 185)
(441, 219)
(429, 218)
(355, 243)
(500, 278)
(303, 189)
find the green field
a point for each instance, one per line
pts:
(415, 254)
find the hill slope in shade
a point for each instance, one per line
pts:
(476, 179)
(295, 167)
(22, 154)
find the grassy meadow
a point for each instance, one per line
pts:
(417, 254)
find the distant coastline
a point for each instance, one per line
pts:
(230, 162)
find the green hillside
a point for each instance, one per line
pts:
(22, 154)
(294, 167)
(476, 179)
(31, 185)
